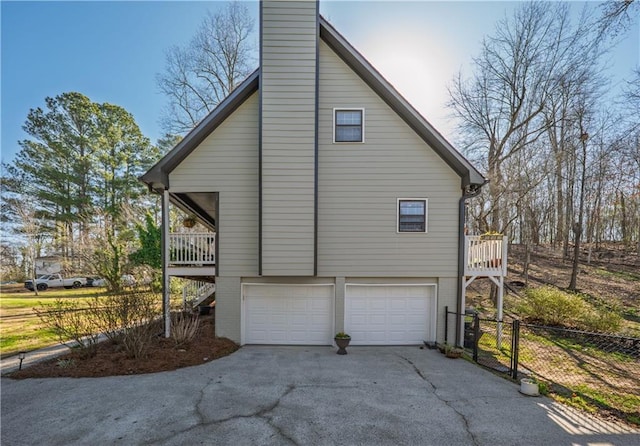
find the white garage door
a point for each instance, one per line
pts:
(390, 314)
(288, 314)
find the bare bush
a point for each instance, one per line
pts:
(136, 340)
(129, 319)
(184, 327)
(71, 324)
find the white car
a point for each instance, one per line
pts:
(125, 280)
(55, 281)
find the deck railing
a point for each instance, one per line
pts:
(192, 248)
(196, 291)
(485, 255)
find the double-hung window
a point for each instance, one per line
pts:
(348, 125)
(412, 214)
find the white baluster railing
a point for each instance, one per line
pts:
(192, 248)
(196, 291)
(485, 256)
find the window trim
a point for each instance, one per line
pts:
(426, 215)
(337, 109)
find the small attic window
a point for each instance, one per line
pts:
(412, 214)
(348, 125)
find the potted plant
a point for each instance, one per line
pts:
(189, 222)
(342, 341)
(451, 351)
(529, 386)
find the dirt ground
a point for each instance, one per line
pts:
(110, 360)
(612, 276)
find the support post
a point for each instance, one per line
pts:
(446, 323)
(476, 336)
(184, 298)
(500, 305)
(166, 289)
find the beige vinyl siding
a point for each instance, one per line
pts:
(359, 184)
(227, 162)
(228, 308)
(289, 31)
(447, 297)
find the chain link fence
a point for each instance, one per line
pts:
(487, 341)
(494, 347)
(594, 371)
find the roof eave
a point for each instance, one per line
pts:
(157, 177)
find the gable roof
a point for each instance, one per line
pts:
(470, 175)
(158, 176)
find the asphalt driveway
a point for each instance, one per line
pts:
(298, 395)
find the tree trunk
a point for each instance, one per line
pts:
(578, 226)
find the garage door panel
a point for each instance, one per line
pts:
(415, 319)
(317, 320)
(358, 303)
(321, 305)
(397, 336)
(398, 305)
(398, 319)
(417, 304)
(288, 314)
(357, 321)
(389, 314)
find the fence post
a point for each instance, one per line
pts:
(446, 323)
(476, 336)
(515, 348)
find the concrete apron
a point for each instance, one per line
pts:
(298, 395)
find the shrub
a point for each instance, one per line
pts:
(135, 340)
(120, 311)
(551, 306)
(602, 321)
(71, 323)
(128, 319)
(184, 327)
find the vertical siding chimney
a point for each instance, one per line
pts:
(288, 108)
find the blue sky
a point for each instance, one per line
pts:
(112, 51)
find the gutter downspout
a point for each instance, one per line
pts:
(468, 192)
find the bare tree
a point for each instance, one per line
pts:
(201, 74)
(502, 107)
(617, 16)
(629, 150)
(10, 268)
(32, 229)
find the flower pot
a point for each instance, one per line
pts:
(189, 222)
(453, 354)
(342, 344)
(529, 387)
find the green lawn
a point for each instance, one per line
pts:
(20, 327)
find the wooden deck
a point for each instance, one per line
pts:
(485, 256)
